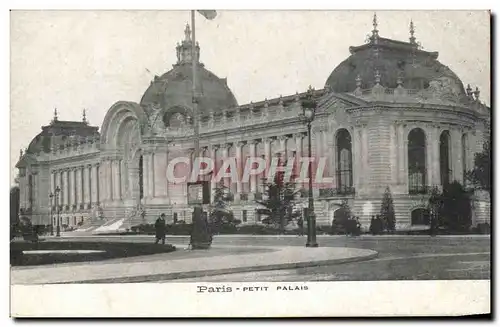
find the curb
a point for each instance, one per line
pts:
(215, 272)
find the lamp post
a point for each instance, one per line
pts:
(308, 111)
(51, 197)
(56, 194)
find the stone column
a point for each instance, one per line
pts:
(226, 180)
(115, 168)
(102, 181)
(365, 175)
(436, 168)
(108, 180)
(393, 154)
(66, 187)
(267, 157)
(402, 141)
(60, 183)
(298, 155)
(151, 174)
(86, 185)
(160, 173)
(456, 155)
(253, 178)
(145, 174)
(78, 184)
(358, 151)
(282, 146)
(326, 149)
(332, 164)
(94, 184)
(430, 137)
(213, 149)
(240, 166)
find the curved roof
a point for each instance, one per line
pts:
(393, 59)
(57, 134)
(174, 88)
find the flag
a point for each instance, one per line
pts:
(208, 14)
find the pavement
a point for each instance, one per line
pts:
(169, 268)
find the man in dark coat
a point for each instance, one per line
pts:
(160, 229)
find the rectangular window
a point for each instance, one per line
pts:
(244, 216)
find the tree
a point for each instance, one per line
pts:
(480, 175)
(434, 206)
(387, 211)
(455, 208)
(340, 223)
(220, 213)
(279, 202)
(14, 210)
(201, 235)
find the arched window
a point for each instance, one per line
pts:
(416, 162)
(420, 216)
(141, 178)
(344, 162)
(444, 157)
(464, 158)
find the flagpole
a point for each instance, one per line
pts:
(194, 59)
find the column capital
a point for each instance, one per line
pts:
(253, 141)
(299, 135)
(240, 144)
(282, 137)
(268, 139)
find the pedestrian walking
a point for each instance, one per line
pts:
(300, 223)
(160, 229)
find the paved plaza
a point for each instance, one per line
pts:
(236, 258)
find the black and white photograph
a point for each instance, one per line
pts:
(270, 153)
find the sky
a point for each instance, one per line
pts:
(71, 60)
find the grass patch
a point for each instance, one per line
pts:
(111, 250)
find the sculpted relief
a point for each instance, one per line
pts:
(445, 88)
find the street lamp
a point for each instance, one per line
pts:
(51, 197)
(57, 191)
(308, 112)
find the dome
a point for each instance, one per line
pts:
(174, 88)
(59, 133)
(394, 60)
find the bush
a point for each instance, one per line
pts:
(258, 230)
(201, 236)
(179, 229)
(376, 226)
(483, 228)
(455, 214)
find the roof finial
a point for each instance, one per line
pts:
(375, 30)
(187, 33)
(84, 117)
(399, 81)
(476, 93)
(469, 91)
(412, 32)
(377, 77)
(20, 153)
(358, 81)
(55, 114)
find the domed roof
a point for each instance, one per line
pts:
(174, 88)
(394, 60)
(58, 133)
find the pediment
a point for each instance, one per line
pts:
(338, 103)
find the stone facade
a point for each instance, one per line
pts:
(364, 126)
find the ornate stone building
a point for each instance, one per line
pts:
(390, 115)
